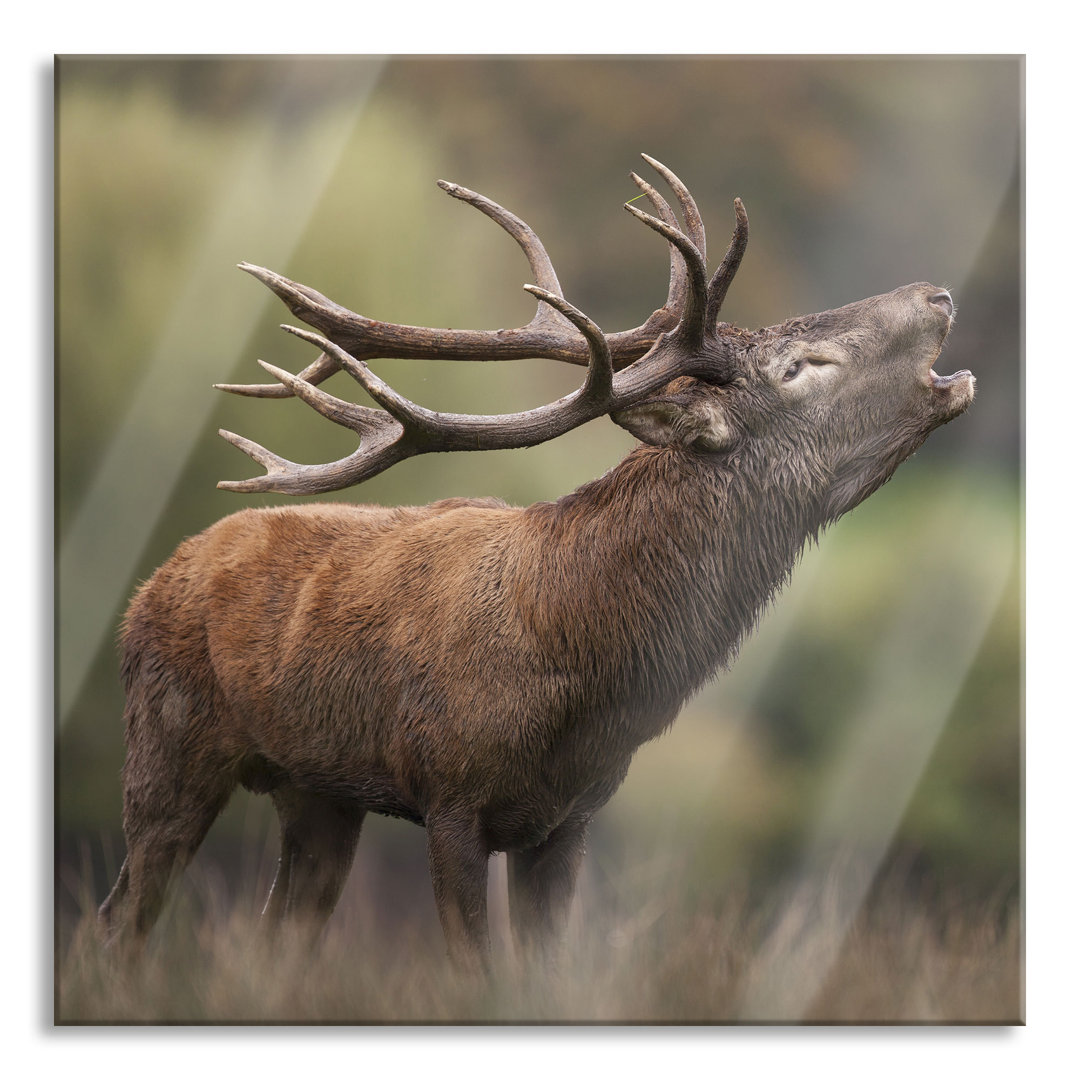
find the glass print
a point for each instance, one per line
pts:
(830, 830)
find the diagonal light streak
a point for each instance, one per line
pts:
(275, 176)
(921, 666)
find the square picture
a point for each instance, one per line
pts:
(481, 600)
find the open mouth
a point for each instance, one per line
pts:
(951, 394)
(945, 382)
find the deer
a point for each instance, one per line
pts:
(483, 670)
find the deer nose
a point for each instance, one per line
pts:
(943, 300)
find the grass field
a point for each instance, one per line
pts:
(789, 956)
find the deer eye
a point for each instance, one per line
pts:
(798, 365)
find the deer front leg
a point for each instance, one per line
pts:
(318, 841)
(458, 857)
(541, 886)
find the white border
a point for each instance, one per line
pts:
(956, 27)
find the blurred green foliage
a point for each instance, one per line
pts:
(859, 175)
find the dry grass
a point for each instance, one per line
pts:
(787, 957)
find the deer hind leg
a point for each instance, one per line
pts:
(540, 883)
(318, 841)
(175, 785)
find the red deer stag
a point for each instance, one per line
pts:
(483, 670)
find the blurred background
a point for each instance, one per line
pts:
(870, 735)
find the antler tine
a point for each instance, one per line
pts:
(282, 475)
(285, 477)
(539, 261)
(411, 416)
(266, 458)
(678, 283)
(691, 323)
(314, 373)
(725, 272)
(598, 381)
(355, 417)
(301, 301)
(695, 227)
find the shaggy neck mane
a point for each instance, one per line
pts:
(648, 578)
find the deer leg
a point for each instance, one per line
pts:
(176, 782)
(458, 856)
(540, 883)
(318, 841)
(167, 813)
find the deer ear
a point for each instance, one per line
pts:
(678, 421)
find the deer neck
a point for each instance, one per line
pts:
(652, 575)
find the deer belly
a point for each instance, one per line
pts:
(371, 789)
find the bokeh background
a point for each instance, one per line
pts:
(868, 742)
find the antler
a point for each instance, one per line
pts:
(545, 336)
(678, 339)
